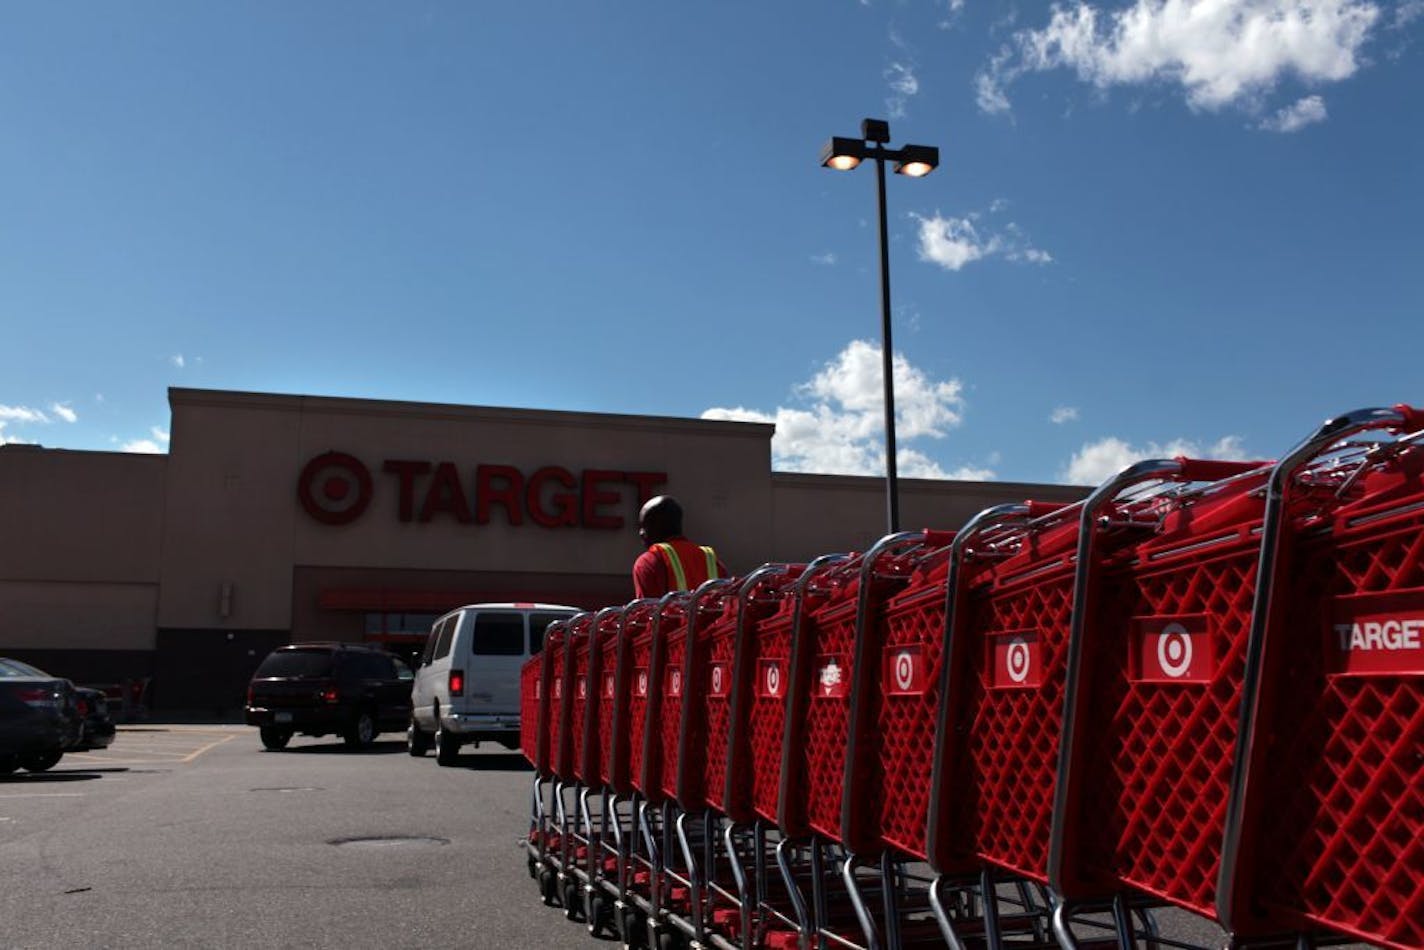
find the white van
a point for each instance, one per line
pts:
(467, 684)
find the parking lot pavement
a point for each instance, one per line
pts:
(156, 744)
(194, 836)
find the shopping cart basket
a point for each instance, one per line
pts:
(1165, 575)
(1326, 826)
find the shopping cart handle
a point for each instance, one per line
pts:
(1037, 509)
(1213, 470)
(937, 538)
(1413, 418)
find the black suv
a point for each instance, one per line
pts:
(321, 689)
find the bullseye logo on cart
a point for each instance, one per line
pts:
(719, 680)
(771, 678)
(905, 673)
(1015, 660)
(1173, 649)
(1376, 634)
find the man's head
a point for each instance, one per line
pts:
(660, 519)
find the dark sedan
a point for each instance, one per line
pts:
(39, 718)
(96, 728)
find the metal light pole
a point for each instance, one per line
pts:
(915, 161)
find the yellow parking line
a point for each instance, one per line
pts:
(215, 743)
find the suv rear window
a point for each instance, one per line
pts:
(498, 634)
(296, 663)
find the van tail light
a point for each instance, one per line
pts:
(457, 682)
(330, 695)
(82, 706)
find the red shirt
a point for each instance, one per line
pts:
(651, 577)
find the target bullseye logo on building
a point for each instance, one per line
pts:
(720, 680)
(675, 683)
(582, 688)
(1015, 660)
(641, 681)
(608, 686)
(1173, 649)
(771, 678)
(558, 689)
(906, 673)
(335, 488)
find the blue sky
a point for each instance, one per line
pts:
(1157, 227)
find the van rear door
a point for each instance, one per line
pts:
(497, 639)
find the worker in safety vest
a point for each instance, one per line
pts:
(671, 562)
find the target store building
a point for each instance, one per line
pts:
(280, 518)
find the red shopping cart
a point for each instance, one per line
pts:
(654, 712)
(596, 837)
(1326, 828)
(1002, 674)
(621, 717)
(546, 699)
(1166, 571)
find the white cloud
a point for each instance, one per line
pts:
(1098, 461)
(21, 414)
(177, 360)
(954, 243)
(841, 427)
(827, 258)
(156, 445)
(64, 412)
(903, 87)
(1406, 13)
(1220, 52)
(1062, 414)
(1297, 116)
(10, 439)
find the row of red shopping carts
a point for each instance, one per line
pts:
(1201, 687)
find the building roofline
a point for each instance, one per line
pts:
(345, 405)
(877, 483)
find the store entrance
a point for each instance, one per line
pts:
(400, 633)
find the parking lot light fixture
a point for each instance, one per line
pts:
(912, 161)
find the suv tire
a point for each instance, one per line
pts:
(447, 746)
(417, 742)
(361, 732)
(9, 763)
(275, 739)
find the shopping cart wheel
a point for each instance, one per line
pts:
(669, 938)
(532, 865)
(573, 900)
(549, 887)
(600, 914)
(632, 928)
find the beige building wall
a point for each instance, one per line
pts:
(235, 531)
(824, 514)
(80, 548)
(209, 551)
(54, 615)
